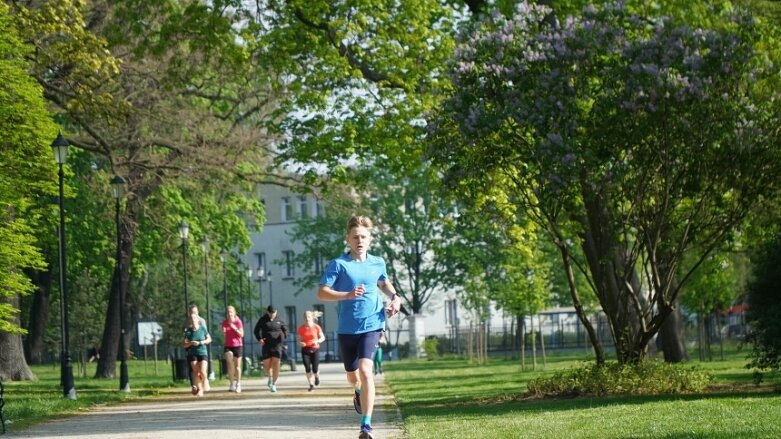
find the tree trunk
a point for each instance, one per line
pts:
(120, 280)
(469, 342)
(672, 337)
(612, 266)
(534, 345)
(34, 346)
(523, 345)
(708, 331)
(518, 339)
(479, 339)
(13, 366)
(486, 340)
(599, 351)
(721, 335)
(542, 344)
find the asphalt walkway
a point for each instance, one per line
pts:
(291, 413)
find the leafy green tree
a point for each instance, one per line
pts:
(175, 101)
(26, 173)
(598, 127)
(412, 234)
(362, 75)
(764, 305)
(712, 287)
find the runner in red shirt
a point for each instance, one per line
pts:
(310, 335)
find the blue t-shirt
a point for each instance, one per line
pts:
(365, 313)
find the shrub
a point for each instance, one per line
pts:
(646, 378)
(431, 345)
(764, 302)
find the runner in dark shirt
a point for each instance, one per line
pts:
(271, 333)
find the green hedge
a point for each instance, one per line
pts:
(646, 378)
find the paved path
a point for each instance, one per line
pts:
(291, 413)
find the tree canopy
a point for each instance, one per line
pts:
(27, 170)
(638, 138)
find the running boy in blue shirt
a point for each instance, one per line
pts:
(357, 280)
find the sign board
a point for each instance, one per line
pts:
(149, 333)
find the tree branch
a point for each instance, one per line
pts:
(344, 51)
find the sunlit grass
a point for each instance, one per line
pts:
(452, 398)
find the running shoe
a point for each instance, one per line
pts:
(269, 384)
(238, 387)
(317, 380)
(232, 387)
(311, 387)
(195, 390)
(357, 402)
(367, 432)
(273, 388)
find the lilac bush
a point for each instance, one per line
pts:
(639, 138)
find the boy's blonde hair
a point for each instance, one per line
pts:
(359, 221)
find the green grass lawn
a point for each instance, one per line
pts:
(447, 398)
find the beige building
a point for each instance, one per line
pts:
(271, 258)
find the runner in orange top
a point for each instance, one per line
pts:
(310, 335)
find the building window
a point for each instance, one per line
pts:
(319, 264)
(261, 257)
(319, 208)
(320, 320)
(292, 321)
(303, 207)
(289, 264)
(451, 312)
(287, 209)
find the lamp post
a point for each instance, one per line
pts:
(270, 291)
(249, 297)
(118, 191)
(224, 259)
(60, 148)
(240, 272)
(205, 247)
(249, 294)
(261, 274)
(184, 232)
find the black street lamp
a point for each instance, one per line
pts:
(118, 191)
(207, 293)
(249, 297)
(249, 294)
(224, 259)
(184, 232)
(270, 291)
(261, 277)
(60, 148)
(240, 271)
